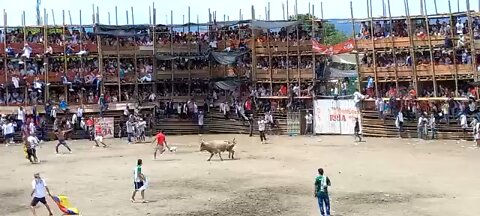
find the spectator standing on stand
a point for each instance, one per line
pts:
(309, 124)
(399, 123)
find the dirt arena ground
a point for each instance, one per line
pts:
(378, 177)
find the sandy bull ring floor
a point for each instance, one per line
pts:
(378, 177)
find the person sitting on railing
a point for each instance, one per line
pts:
(66, 82)
(63, 105)
(16, 81)
(10, 51)
(27, 51)
(448, 42)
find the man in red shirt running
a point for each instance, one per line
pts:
(161, 144)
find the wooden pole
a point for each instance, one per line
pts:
(368, 8)
(394, 51)
(372, 38)
(472, 45)
(254, 53)
(45, 58)
(149, 15)
(189, 53)
(154, 37)
(171, 52)
(126, 16)
(411, 48)
(458, 6)
(53, 17)
(321, 10)
(98, 15)
(65, 62)
(133, 16)
(371, 10)
(314, 66)
(452, 36)
(109, 20)
(70, 17)
(93, 14)
(283, 11)
(5, 58)
(430, 47)
(288, 14)
(116, 15)
(435, 4)
(384, 9)
(82, 63)
(421, 8)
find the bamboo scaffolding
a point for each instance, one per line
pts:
(5, 58)
(472, 44)
(154, 54)
(394, 51)
(355, 46)
(452, 36)
(430, 47)
(65, 62)
(412, 46)
(375, 73)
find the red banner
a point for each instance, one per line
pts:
(340, 48)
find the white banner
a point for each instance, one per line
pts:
(335, 116)
(107, 125)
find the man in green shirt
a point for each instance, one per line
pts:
(139, 180)
(322, 183)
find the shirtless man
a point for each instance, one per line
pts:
(61, 139)
(99, 136)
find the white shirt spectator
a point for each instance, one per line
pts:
(261, 125)
(53, 113)
(463, 121)
(152, 97)
(200, 119)
(21, 115)
(459, 27)
(80, 112)
(74, 118)
(309, 118)
(27, 50)
(16, 81)
(39, 187)
(213, 44)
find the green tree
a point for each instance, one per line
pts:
(331, 35)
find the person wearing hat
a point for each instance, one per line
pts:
(39, 192)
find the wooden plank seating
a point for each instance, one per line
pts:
(373, 126)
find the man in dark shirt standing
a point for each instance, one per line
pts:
(322, 183)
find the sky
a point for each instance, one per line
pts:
(332, 9)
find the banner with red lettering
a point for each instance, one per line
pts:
(107, 125)
(341, 48)
(335, 116)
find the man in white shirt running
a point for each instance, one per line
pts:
(39, 193)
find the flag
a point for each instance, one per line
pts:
(340, 48)
(64, 205)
